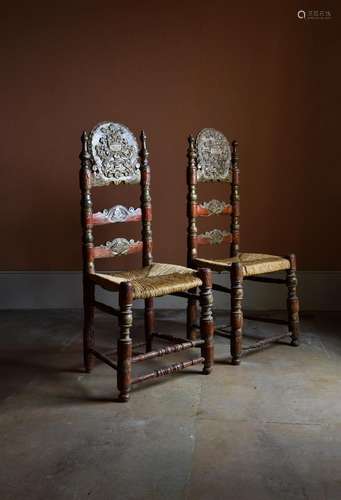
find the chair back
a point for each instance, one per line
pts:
(111, 156)
(211, 158)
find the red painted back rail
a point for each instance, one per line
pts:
(116, 214)
(214, 237)
(213, 207)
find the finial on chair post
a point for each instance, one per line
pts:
(84, 137)
(144, 150)
(192, 161)
(84, 154)
(234, 155)
(84, 157)
(144, 154)
(191, 149)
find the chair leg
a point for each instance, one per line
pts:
(88, 327)
(124, 346)
(149, 322)
(293, 303)
(206, 319)
(192, 314)
(236, 312)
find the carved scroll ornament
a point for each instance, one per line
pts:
(215, 237)
(213, 156)
(214, 207)
(119, 246)
(118, 213)
(114, 152)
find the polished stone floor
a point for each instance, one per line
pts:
(269, 429)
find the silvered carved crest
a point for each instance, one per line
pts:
(114, 152)
(213, 156)
(214, 207)
(119, 246)
(118, 213)
(215, 237)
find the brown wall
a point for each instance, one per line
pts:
(250, 69)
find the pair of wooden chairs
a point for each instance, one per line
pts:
(111, 156)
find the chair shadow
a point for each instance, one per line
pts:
(53, 373)
(46, 371)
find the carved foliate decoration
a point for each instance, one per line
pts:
(114, 152)
(214, 207)
(118, 213)
(215, 237)
(119, 246)
(213, 156)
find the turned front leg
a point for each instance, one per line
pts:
(293, 302)
(236, 312)
(206, 318)
(124, 347)
(88, 327)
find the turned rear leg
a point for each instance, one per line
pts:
(236, 312)
(293, 303)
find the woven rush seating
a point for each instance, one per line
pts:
(252, 263)
(155, 280)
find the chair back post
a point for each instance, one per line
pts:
(86, 207)
(146, 204)
(192, 230)
(235, 201)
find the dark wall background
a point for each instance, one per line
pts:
(250, 69)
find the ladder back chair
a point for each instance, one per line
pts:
(110, 156)
(212, 159)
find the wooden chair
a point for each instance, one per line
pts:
(211, 159)
(110, 156)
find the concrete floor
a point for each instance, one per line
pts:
(268, 429)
